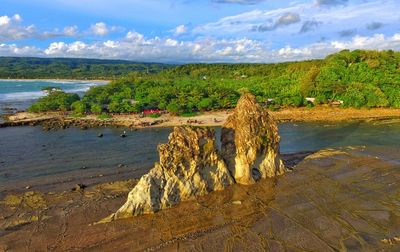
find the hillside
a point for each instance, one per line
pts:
(71, 68)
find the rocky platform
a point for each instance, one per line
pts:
(334, 200)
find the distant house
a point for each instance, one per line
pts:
(270, 100)
(131, 101)
(310, 99)
(336, 102)
(152, 111)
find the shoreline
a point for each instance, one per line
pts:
(211, 119)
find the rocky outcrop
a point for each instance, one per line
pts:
(189, 166)
(250, 142)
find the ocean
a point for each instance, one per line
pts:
(32, 157)
(17, 95)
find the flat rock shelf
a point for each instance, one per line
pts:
(343, 199)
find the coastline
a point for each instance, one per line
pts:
(214, 118)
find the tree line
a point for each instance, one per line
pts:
(357, 78)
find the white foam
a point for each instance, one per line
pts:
(21, 96)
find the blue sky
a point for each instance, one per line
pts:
(196, 30)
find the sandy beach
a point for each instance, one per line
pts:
(214, 118)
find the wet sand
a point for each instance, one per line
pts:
(344, 199)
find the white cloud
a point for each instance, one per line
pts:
(100, 29)
(14, 50)
(134, 46)
(4, 20)
(181, 29)
(304, 22)
(12, 30)
(71, 31)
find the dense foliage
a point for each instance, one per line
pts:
(55, 101)
(358, 78)
(70, 68)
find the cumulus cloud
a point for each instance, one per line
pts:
(135, 46)
(71, 31)
(11, 29)
(100, 29)
(181, 29)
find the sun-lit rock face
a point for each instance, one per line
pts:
(250, 142)
(189, 166)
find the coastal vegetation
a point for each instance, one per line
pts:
(359, 78)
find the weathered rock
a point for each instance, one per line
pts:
(189, 166)
(250, 142)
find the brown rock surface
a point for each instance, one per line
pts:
(189, 166)
(346, 200)
(250, 142)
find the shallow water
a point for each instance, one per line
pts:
(30, 156)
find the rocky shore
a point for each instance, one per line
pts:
(334, 200)
(239, 196)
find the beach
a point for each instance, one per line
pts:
(213, 118)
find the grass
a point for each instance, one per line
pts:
(189, 114)
(104, 116)
(154, 115)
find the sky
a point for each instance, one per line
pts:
(183, 31)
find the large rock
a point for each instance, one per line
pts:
(189, 166)
(250, 142)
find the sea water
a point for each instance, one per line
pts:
(17, 95)
(31, 156)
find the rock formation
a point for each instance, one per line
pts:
(189, 166)
(250, 142)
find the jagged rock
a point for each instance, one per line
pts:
(189, 166)
(250, 142)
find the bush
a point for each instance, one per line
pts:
(96, 109)
(174, 108)
(55, 101)
(79, 107)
